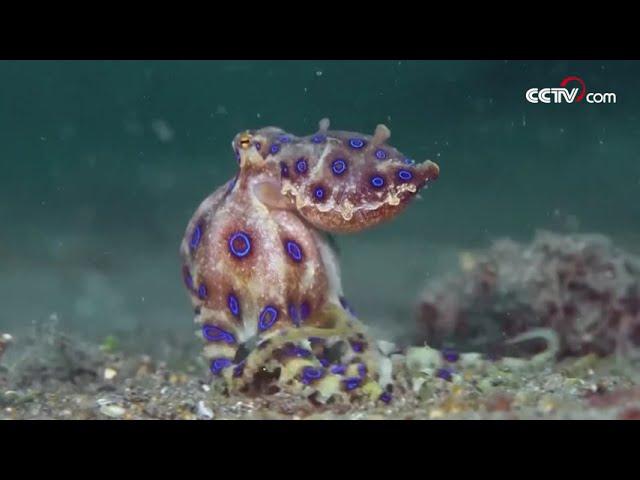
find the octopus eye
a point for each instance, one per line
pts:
(240, 244)
(233, 304)
(195, 237)
(356, 143)
(216, 334)
(301, 165)
(267, 318)
(377, 181)
(275, 148)
(294, 250)
(219, 364)
(245, 140)
(319, 193)
(319, 138)
(339, 166)
(404, 175)
(202, 292)
(381, 154)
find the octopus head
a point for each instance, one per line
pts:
(253, 146)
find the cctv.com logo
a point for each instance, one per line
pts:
(576, 94)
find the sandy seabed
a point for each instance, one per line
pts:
(58, 376)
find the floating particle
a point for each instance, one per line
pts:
(162, 130)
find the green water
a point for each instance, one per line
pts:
(103, 163)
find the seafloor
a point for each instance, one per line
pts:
(579, 294)
(51, 375)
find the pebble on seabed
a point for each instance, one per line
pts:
(113, 411)
(204, 412)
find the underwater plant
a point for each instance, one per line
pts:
(578, 288)
(262, 276)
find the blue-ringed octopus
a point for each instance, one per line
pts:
(262, 276)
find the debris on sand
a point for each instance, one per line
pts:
(578, 288)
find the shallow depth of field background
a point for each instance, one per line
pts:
(103, 163)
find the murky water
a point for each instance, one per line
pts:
(103, 163)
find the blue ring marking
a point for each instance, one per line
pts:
(381, 154)
(219, 364)
(294, 315)
(404, 175)
(284, 170)
(309, 374)
(233, 304)
(258, 146)
(238, 370)
(338, 369)
(294, 251)
(351, 383)
(343, 302)
(195, 237)
(284, 138)
(232, 183)
(188, 279)
(237, 155)
(243, 252)
(362, 370)
(409, 161)
(268, 317)
(301, 165)
(318, 138)
(324, 362)
(444, 374)
(216, 334)
(356, 143)
(305, 310)
(319, 193)
(377, 181)
(385, 397)
(299, 352)
(450, 355)
(356, 345)
(275, 148)
(202, 292)
(338, 166)
(346, 306)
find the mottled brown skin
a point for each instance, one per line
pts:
(263, 280)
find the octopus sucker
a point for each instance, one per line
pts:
(262, 276)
